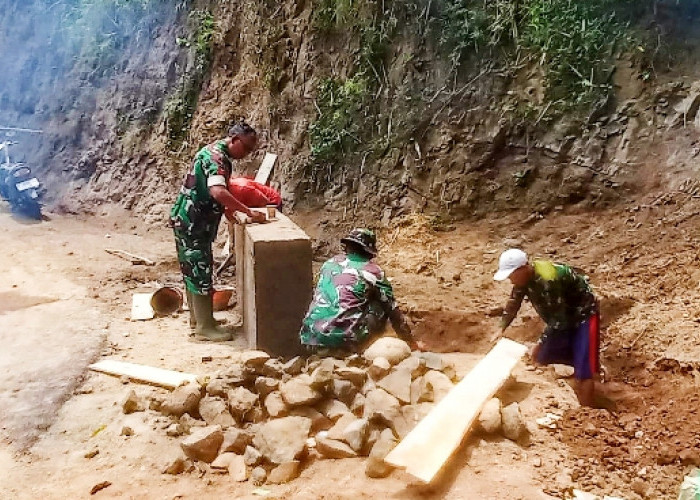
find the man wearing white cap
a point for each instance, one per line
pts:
(565, 302)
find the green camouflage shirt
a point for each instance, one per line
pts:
(195, 212)
(562, 297)
(349, 288)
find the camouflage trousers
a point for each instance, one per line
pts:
(196, 261)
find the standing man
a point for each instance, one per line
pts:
(353, 299)
(195, 220)
(565, 302)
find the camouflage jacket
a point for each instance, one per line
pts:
(350, 287)
(562, 297)
(195, 212)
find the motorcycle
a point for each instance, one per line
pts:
(19, 187)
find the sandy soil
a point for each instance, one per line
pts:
(65, 302)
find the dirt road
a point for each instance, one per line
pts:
(65, 302)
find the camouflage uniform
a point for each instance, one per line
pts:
(352, 297)
(195, 216)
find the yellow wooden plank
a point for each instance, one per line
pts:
(143, 373)
(426, 449)
(266, 167)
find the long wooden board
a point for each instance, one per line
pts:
(426, 449)
(141, 307)
(266, 167)
(150, 374)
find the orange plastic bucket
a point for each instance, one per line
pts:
(166, 301)
(221, 298)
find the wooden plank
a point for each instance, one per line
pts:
(156, 376)
(266, 167)
(141, 307)
(426, 449)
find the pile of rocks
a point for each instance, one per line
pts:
(262, 418)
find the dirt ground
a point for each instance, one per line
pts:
(65, 302)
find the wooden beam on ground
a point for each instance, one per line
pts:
(266, 167)
(142, 373)
(426, 449)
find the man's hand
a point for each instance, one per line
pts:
(258, 217)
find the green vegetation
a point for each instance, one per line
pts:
(180, 107)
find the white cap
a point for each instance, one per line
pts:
(509, 261)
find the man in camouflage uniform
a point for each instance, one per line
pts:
(565, 302)
(352, 300)
(195, 220)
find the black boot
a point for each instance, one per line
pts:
(206, 328)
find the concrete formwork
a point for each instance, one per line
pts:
(275, 283)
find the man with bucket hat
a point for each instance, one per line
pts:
(565, 302)
(353, 299)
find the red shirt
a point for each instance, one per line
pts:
(253, 194)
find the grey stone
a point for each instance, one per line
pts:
(336, 432)
(175, 465)
(343, 390)
(439, 383)
(132, 403)
(414, 364)
(217, 387)
(355, 434)
(319, 422)
(285, 472)
(266, 385)
(331, 448)
(333, 409)
(275, 405)
(512, 420)
(241, 401)
(298, 391)
(375, 466)
(358, 404)
(355, 375)
(222, 462)
(258, 476)
(322, 376)
(251, 456)
(283, 439)
(237, 468)
(398, 383)
(490, 416)
(408, 418)
(294, 366)
(369, 385)
(420, 391)
(432, 361)
(203, 444)
(272, 368)
(379, 368)
(127, 431)
(184, 399)
(392, 349)
(381, 405)
(563, 371)
(215, 411)
(254, 359)
(236, 440)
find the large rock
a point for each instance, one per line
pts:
(241, 401)
(337, 430)
(381, 405)
(490, 416)
(334, 409)
(275, 405)
(331, 448)
(432, 361)
(355, 375)
(258, 476)
(235, 440)
(408, 418)
(439, 383)
(284, 439)
(343, 390)
(131, 403)
(294, 366)
(254, 359)
(184, 399)
(392, 349)
(398, 383)
(322, 376)
(375, 466)
(421, 392)
(222, 462)
(379, 368)
(203, 444)
(355, 434)
(175, 465)
(414, 364)
(358, 404)
(266, 385)
(251, 456)
(298, 391)
(272, 368)
(319, 422)
(514, 427)
(214, 411)
(237, 468)
(285, 472)
(218, 387)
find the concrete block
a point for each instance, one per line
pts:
(275, 283)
